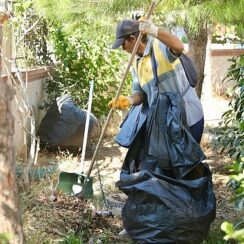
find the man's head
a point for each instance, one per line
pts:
(124, 30)
(127, 33)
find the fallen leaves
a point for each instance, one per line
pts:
(54, 218)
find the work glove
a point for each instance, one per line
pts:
(147, 27)
(122, 102)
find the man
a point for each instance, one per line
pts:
(167, 49)
(163, 153)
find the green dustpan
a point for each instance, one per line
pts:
(73, 183)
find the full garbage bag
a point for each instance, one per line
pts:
(160, 209)
(169, 188)
(64, 123)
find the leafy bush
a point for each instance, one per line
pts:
(239, 180)
(30, 33)
(80, 55)
(233, 232)
(231, 136)
(5, 238)
(81, 60)
(231, 139)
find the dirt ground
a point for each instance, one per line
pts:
(49, 217)
(52, 216)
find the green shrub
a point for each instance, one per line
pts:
(79, 61)
(233, 232)
(5, 238)
(30, 33)
(231, 139)
(231, 136)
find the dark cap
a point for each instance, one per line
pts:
(125, 28)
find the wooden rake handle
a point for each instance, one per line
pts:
(116, 98)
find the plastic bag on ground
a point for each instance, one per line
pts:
(64, 123)
(160, 209)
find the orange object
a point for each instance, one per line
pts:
(122, 102)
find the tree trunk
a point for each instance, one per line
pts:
(197, 50)
(10, 224)
(9, 214)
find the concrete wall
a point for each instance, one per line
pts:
(35, 93)
(219, 65)
(35, 85)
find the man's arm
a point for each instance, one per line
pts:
(170, 40)
(136, 98)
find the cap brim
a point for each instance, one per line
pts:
(118, 43)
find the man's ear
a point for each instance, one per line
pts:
(133, 38)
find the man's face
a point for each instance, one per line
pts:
(129, 43)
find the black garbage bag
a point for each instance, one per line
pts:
(162, 141)
(170, 195)
(160, 209)
(64, 124)
(184, 152)
(133, 122)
